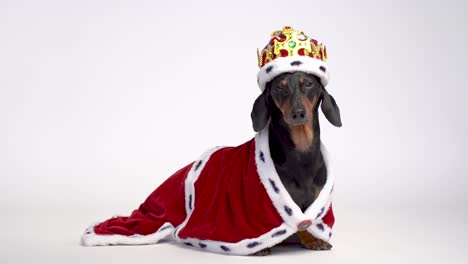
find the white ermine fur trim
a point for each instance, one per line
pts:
(90, 238)
(285, 64)
(284, 204)
(244, 247)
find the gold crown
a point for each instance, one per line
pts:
(290, 42)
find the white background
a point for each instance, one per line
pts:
(100, 101)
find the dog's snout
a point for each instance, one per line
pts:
(298, 115)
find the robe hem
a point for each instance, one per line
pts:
(90, 238)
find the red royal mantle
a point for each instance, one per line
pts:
(230, 201)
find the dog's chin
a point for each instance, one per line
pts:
(292, 122)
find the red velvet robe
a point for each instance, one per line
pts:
(231, 200)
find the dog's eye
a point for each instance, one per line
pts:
(308, 84)
(281, 89)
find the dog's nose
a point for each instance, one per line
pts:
(298, 115)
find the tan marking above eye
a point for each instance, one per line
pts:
(284, 82)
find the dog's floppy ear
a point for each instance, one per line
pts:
(330, 109)
(260, 114)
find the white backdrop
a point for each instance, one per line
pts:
(100, 101)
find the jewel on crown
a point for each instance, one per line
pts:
(289, 42)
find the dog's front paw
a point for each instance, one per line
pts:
(263, 252)
(310, 242)
(317, 245)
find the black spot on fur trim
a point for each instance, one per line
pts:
(190, 202)
(321, 212)
(320, 226)
(198, 165)
(202, 245)
(273, 185)
(188, 244)
(253, 244)
(322, 68)
(288, 210)
(279, 233)
(296, 63)
(329, 234)
(87, 232)
(164, 228)
(225, 248)
(262, 156)
(268, 69)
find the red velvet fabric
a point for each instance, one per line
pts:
(165, 204)
(329, 218)
(231, 203)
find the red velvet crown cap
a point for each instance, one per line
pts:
(291, 50)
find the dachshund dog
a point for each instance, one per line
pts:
(230, 199)
(289, 106)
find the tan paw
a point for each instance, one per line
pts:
(317, 245)
(310, 242)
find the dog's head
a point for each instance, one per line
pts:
(296, 97)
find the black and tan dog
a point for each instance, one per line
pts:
(276, 187)
(289, 105)
(243, 200)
